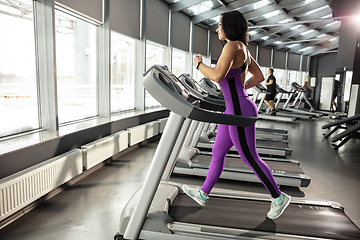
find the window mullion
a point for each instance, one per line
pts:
(140, 65)
(45, 31)
(104, 103)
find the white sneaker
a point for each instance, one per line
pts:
(194, 193)
(311, 109)
(277, 208)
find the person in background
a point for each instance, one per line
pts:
(271, 91)
(230, 72)
(337, 85)
(307, 92)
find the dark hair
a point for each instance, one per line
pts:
(235, 27)
(271, 70)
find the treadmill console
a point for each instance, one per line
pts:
(296, 87)
(260, 88)
(208, 101)
(211, 87)
(189, 82)
(166, 88)
(178, 86)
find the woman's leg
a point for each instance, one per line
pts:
(300, 101)
(306, 98)
(221, 147)
(244, 141)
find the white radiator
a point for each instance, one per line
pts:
(100, 150)
(152, 129)
(142, 132)
(24, 187)
(162, 123)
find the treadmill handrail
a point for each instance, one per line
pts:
(281, 90)
(169, 91)
(342, 121)
(346, 133)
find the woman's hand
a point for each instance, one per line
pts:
(197, 58)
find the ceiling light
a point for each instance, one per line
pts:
(253, 32)
(305, 49)
(216, 19)
(327, 16)
(286, 20)
(307, 32)
(322, 35)
(272, 14)
(201, 7)
(316, 10)
(261, 4)
(333, 39)
(293, 45)
(332, 23)
(265, 38)
(296, 27)
(277, 42)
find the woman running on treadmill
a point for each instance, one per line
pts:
(230, 72)
(307, 92)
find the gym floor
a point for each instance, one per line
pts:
(90, 209)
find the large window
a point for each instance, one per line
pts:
(280, 77)
(291, 77)
(122, 72)
(347, 88)
(18, 80)
(155, 54)
(197, 75)
(76, 67)
(178, 62)
(265, 72)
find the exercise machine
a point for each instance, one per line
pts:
(160, 210)
(260, 89)
(352, 130)
(193, 161)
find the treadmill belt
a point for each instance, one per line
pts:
(283, 167)
(298, 219)
(274, 144)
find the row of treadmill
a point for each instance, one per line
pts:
(161, 210)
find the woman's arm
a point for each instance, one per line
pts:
(257, 77)
(302, 87)
(223, 66)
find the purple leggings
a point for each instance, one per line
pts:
(244, 140)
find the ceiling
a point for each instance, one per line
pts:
(308, 27)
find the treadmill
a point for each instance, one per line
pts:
(280, 91)
(192, 161)
(284, 112)
(160, 210)
(262, 90)
(296, 87)
(268, 147)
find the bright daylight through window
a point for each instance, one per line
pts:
(122, 73)
(155, 54)
(18, 82)
(76, 66)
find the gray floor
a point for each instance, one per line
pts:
(90, 209)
